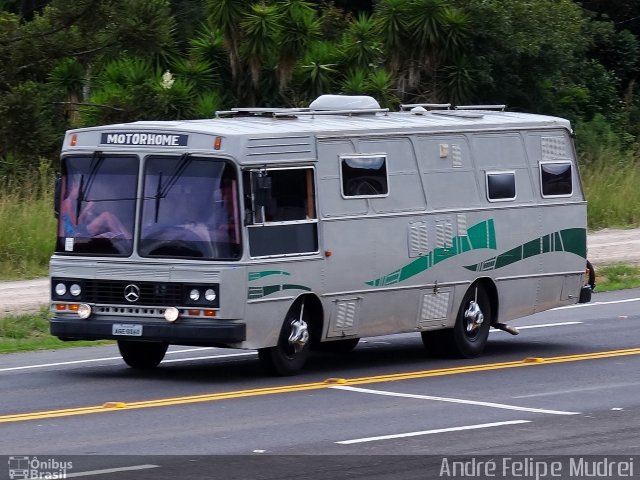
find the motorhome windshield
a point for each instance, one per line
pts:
(190, 209)
(97, 204)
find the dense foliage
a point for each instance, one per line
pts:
(66, 63)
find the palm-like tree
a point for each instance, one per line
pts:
(69, 75)
(427, 31)
(362, 45)
(199, 73)
(299, 29)
(391, 17)
(317, 73)
(227, 15)
(380, 85)
(260, 29)
(355, 82)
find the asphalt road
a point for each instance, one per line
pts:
(569, 384)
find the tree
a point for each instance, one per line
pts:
(69, 75)
(361, 44)
(226, 15)
(260, 29)
(299, 27)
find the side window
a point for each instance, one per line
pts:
(501, 186)
(280, 211)
(364, 176)
(555, 179)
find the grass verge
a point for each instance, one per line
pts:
(617, 277)
(21, 333)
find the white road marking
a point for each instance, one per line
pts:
(109, 359)
(593, 304)
(454, 400)
(110, 470)
(544, 325)
(431, 432)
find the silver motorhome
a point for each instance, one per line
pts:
(285, 230)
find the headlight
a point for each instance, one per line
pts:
(75, 290)
(171, 314)
(61, 289)
(194, 295)
(210, 295)
(84, 311)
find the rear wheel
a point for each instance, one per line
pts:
(469, 335)
(289, 355)
(142, 355)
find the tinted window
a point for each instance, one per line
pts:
(501, 186)
(97, 204)
(556, 179)
(190, 209)
(280, 211)
(364, 176)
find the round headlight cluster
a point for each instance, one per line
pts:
(210, 295)
(196, 294)
(61, 289)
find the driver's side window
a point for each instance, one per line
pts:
(364, 176)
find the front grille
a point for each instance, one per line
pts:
(151, 293)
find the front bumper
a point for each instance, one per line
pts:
(180, 333)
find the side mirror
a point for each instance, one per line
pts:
(56, 196)
(263, 191)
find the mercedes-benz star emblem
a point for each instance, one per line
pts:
(132, 293)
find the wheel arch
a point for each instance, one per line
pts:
(489, 286)
(313, 307)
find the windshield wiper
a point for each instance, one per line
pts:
(161, 192)
(96, 162)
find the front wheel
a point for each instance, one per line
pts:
(289, 355)
(142, 355)
(469, 335)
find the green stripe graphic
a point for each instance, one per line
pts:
(571, 240)
(481, 235)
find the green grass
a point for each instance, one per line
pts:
(20, 333)
(27, 224)
(617, 277)
(613, 193)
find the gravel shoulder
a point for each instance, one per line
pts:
(606, 247)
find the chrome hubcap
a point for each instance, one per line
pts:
(474, 318)
(299, 335)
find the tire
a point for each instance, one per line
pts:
(592, 276)
(468, 337)
(337, 346)
(142, 355)
(285, 359)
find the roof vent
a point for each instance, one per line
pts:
(344, 102)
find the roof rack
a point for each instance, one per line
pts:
(499, 108)
(426, 106)
(458, 114)
(254, 111)
(357, 111)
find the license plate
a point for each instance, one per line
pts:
(126, 330)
